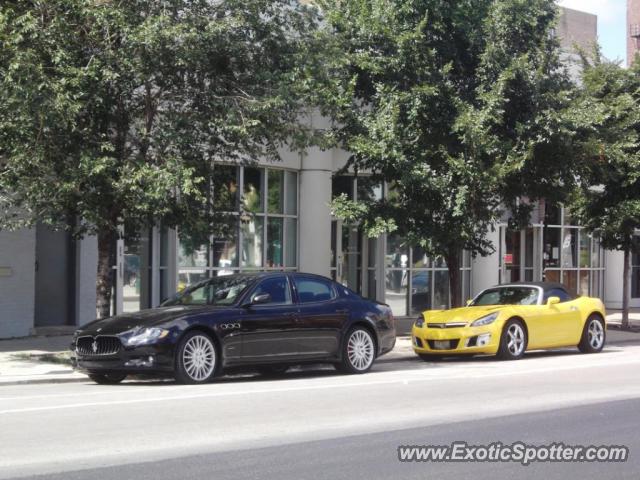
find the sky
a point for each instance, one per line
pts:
(612, 24)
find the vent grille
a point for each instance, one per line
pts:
(98, 346)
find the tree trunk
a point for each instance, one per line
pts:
(453, 263)
(105, 278)
(625, 287)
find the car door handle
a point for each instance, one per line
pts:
(342, 310)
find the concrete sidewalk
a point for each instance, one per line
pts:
(45, 359)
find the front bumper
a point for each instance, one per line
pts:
(147, 359)
(454, 341)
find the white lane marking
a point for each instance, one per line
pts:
(402, 381)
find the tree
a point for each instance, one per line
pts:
(457, 105)
(607, 200)
(113, 113)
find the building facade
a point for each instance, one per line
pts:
(633, 29)
(48, 280)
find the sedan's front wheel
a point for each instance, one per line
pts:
(359, 351)
(196, 358)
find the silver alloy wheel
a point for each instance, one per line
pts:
(515, 335)
(360, 350)
(199, 358)
(596, 334)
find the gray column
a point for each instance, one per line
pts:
(315, 214)
(86, 273)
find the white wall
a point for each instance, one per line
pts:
(17, 282)
(485, 270)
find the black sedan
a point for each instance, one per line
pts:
(265, 321)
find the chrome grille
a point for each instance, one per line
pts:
(98, 346)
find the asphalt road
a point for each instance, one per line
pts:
(318, 424)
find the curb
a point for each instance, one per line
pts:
(40, 381)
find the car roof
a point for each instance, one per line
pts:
(545, 286)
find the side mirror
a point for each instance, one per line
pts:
(261, 299)
(553, 301)
(469, 302)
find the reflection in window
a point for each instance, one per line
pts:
(225, 249)
(192, 253)
(291, 242)
(291, 205)
(420, 291)
(368, 189)
(252, 232)
(252, 193)
(275, 191)
(635, 275)
(569, 248)
(225, 188)
(277, 288)
(342, 184)
(275, 237)
(441, 290)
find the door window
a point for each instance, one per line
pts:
(313, 290)
(277, 288)
(557, 292)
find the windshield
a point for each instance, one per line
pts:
(217, 291)
(507, 296)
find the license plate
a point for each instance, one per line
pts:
(442, 344)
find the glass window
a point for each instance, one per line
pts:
(225, 188)
(368, 189)
(635, 275)
(569, 248)
(291, 205)
(225, 248)
(275, 191)
(187, 278)
(508, 296)
(397, 252)
(585, 248)
(420, 258)
(556, 292)
(277, 288)
(441, 290)
(252, 193)
(192, 253)
(252, 234)
(216, 291)
(420, 291)
(275, 238)
(342, 184)
(313, 290)
(552, 244)
(291, 250)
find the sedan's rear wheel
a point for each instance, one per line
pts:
(196, 358)
(107, 378)
(513, 341)
(359, 351)
(593, 335)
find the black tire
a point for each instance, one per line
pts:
(194, 372)
(107, 378)
(272, 370)
(430, 358)
(513, 340)
(359, 343)
(592, 327)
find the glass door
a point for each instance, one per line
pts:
(520, 258)
(349, 249)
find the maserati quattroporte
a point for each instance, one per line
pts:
(265, 321)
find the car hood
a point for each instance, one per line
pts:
(144, 318)
(464, 314)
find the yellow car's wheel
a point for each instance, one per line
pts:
(513, 341)
(593, 335)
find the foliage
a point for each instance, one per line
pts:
(458, 105)
(113, 113)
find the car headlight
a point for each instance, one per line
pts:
(143, 336)
(486, 320)
(419, 322)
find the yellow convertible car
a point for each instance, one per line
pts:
(508, 320)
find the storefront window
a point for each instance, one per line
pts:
(291, 204)
(275, 242)
(275, 191)
(252, 190)
(225, 188)
(291, 244)
(635, 275)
